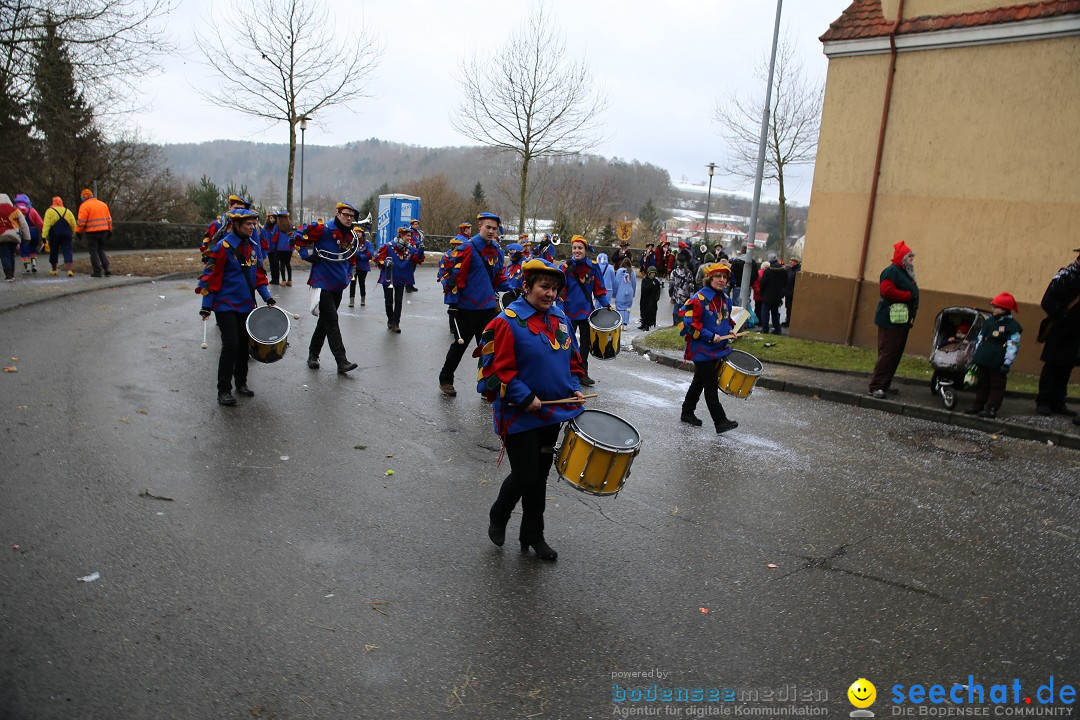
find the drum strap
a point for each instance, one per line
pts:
(244, 272)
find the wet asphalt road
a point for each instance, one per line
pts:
(291, 577)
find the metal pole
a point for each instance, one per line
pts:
(748, 265)
(708, 201)
(303, 127)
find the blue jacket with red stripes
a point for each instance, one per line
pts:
(222, 283)
(706, 314)
(478, 271)
(527, 354)
(326, 274)
(584, 281)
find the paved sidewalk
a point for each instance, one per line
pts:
(1017, 417)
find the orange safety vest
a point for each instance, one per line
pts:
(94, 217)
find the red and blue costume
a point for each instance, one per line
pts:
(222, 284)
(584, 281)
(706, 314)
(331, 238)
(527, 354)
(477, 272)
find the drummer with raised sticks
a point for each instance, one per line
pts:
(528, 355)
(706, 327)
(228, 283)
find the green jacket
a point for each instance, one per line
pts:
(900, 280)
(998, 343)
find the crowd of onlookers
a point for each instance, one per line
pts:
(24, 232)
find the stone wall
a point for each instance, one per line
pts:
(151, 235)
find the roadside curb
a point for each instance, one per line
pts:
(119, 281)
(947, 417)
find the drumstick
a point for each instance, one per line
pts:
(457, 331)
(734, 336)
(294, 315)
(568, 400)
(204, 345)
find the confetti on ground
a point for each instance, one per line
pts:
(141, 412)
(771, 566)
(14, 359)
(15, 547)
(91, 577)
(359, 447)
(10, 369)
(370, 648)
(389, 472)
(284, 457)
(703, 611)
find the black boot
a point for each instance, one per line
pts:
(243, 389)
(226, 398)
(496, 533)
(313, 362)
(543, 550)
(690, 418)
(722, 426)
(344, 366)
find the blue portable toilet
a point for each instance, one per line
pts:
(395, 211)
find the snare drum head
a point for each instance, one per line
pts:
(744, 361)
(605, 319)
(606, 429)
(268, 325)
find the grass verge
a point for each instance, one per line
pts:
(829, 356)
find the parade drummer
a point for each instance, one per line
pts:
(515, 257)
(706, 321)
(397, 262)
(220, 225)
(416, 239)
(528, 354)
(232, 274)
(583, 283)
(476, 273)
(323, 247)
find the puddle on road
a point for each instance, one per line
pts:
(952, 442)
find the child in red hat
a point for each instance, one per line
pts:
(995, 351)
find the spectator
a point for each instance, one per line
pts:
(95, 224)
(680, 289)
(1060, 332)
(29, 250)
(995, 351)
(58, 229)
(794, 268)
(608, 274)
(625, 289)
(895, 315)
(650, 298)
(774, 279)
(13, 230)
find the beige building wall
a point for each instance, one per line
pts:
(980, 174)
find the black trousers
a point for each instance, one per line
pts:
(284, 258)
(233, 361)
(275, 274)
(99, 261)
(990, 389)
(890, 350)
(471, 323)
(327, 328)
(531, 455)
(704, 382)
(584, 342)
(392, 297)
(770, 315)
(1053, 386)
(359, 278)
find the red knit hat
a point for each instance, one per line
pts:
(1005, 301)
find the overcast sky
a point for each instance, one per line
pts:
(663, 63)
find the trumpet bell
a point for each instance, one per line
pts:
(704, 248)
(555, 239)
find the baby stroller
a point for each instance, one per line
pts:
(955, 331)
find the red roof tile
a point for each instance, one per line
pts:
(864, 19)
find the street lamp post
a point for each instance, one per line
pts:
(708, 201)
(303, 127)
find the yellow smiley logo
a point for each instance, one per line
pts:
(862, 693)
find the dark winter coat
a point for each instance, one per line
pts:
(773, 285)
(1063, 341)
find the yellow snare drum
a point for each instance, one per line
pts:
(268, 334)
(596, 452)
(605, 333)
(737, 373)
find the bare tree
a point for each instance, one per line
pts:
(794, 122)
(443, 208)
(277, 60)
(531, 99)
(112, 43)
